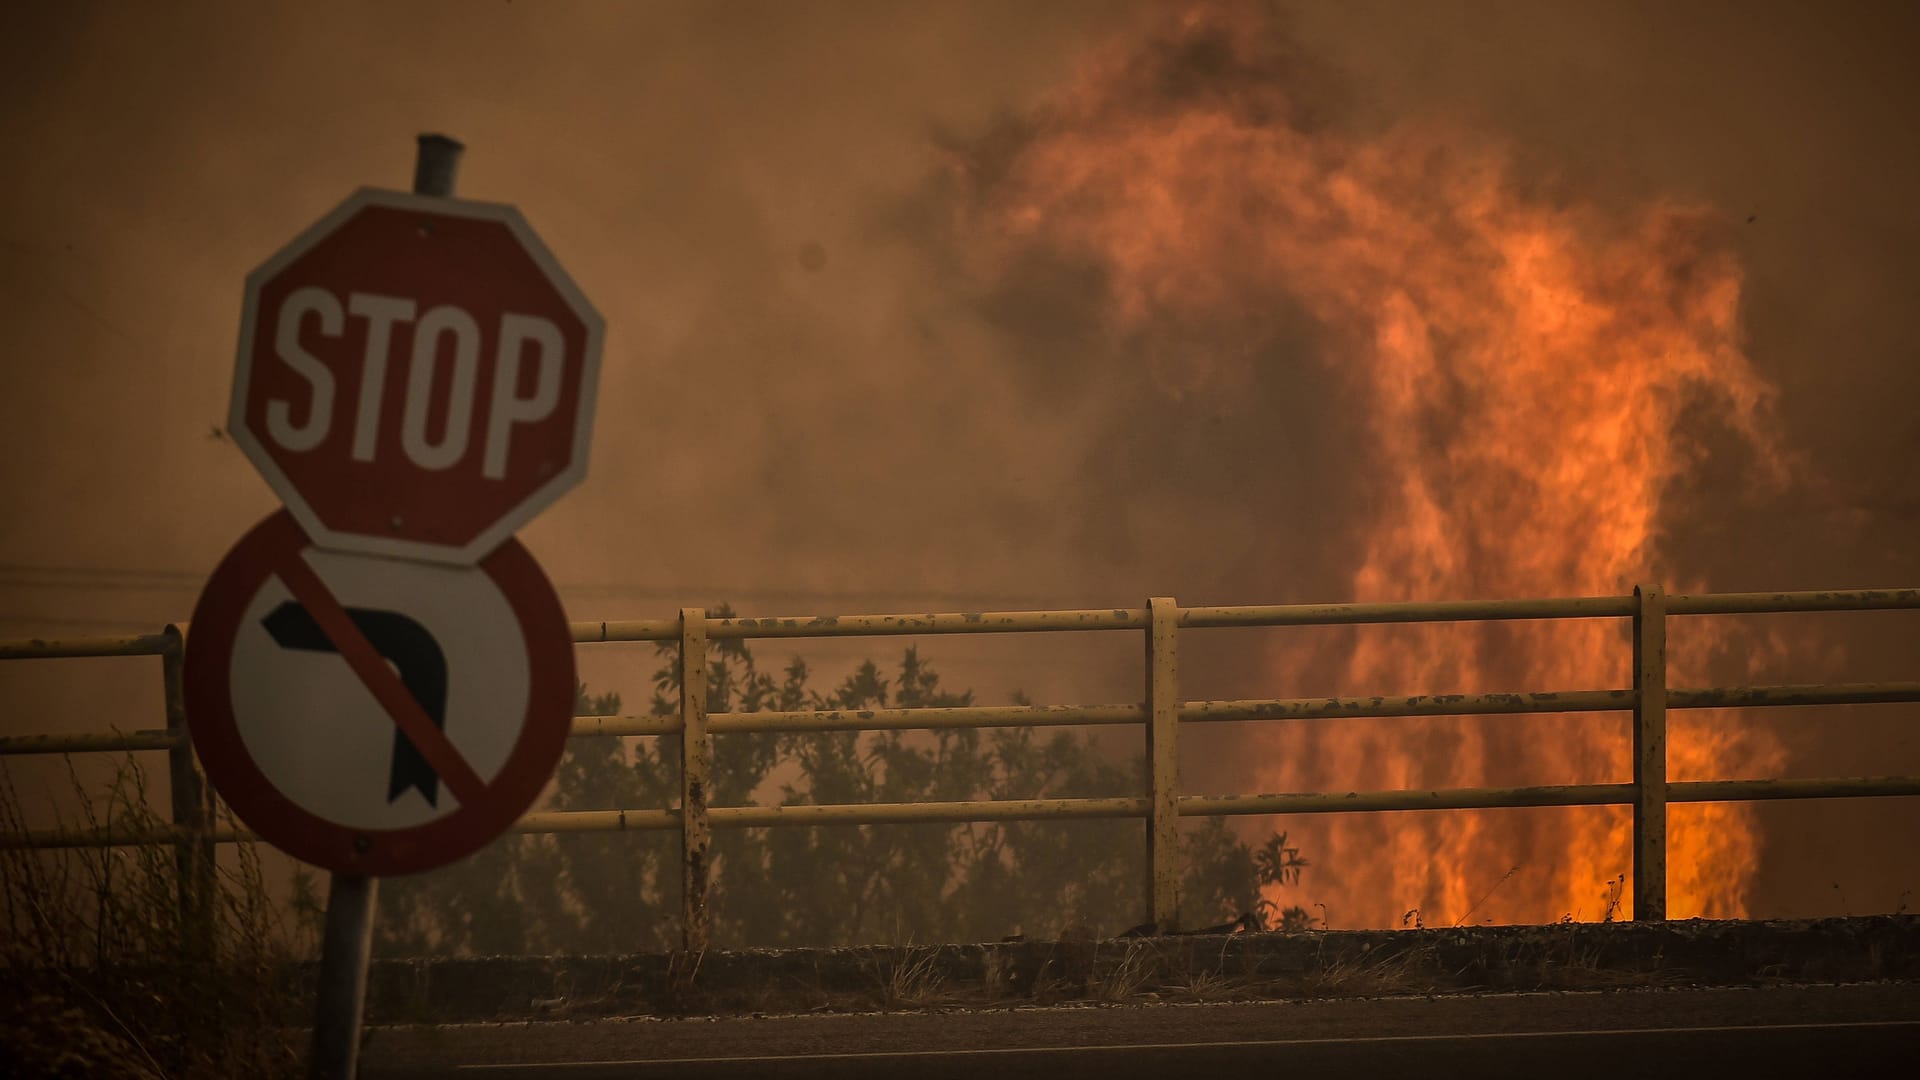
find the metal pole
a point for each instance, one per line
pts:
(1650, 755)
(342, 993)
(435, 168)
(696, 760)
(1163, 764)
(193, 854)
(351, 898)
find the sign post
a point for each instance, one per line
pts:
(341, 998)
(380, 678)
(346, 945)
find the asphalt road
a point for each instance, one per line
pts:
(1869, 1030)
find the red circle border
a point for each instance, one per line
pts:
(206, 674)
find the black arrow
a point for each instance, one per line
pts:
(407, 646)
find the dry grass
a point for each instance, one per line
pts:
(1134, 975)
(911, 979)
(117, 966)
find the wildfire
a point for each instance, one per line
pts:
(1520, 365)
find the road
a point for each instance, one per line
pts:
(1844, 1031)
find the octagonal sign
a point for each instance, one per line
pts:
(416, 376)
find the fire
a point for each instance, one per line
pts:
(1520, 364)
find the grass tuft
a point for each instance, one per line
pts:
(910, 978)
(141, 961)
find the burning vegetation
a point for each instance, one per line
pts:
(1528, 372)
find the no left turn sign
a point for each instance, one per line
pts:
(371, 715)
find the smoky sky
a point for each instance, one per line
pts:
(810, 401)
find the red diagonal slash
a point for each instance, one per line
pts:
(387, 689)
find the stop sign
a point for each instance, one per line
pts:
(416, 376)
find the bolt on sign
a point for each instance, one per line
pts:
(379, 678)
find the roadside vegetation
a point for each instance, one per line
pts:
(596, 893)
(133, 962)
(115, 964)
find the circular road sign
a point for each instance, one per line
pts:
(371, 715)
(416, 376)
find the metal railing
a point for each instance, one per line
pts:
(1161, 712)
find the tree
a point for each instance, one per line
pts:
(826, 885)
(545, 894)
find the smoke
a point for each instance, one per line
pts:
(826, 389)
(1793, 124)
(1364, 352)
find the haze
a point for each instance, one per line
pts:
(814, 399)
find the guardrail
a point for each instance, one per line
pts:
(1161, 712)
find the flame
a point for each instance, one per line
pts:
(1520, 363)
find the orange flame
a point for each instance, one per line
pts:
(1522, 365)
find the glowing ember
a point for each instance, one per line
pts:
(1520, 366)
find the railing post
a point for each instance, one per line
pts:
(1163, 764)
(192, 813)
(1650, 754)
(696, 758)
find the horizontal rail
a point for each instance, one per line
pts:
(55, 839)
(586, 633)
(982, 716)
(759, 817)
(572, 821)
(1774, 603)
(1411, 705)
(667, 820)
(923, 719)
(1740, 697)
(1768, 790)
(971, 716)
(748, 817)
(1743, 697)
(56, 648)
(909, 813)
(1132, 618)
(89, 742)
(1561, 795)
(971, 622)
(587, 726)
(990, 622)
(986, 716)
(1101, 715)
(1442, 799)
(802, 626)
(1583, 607)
